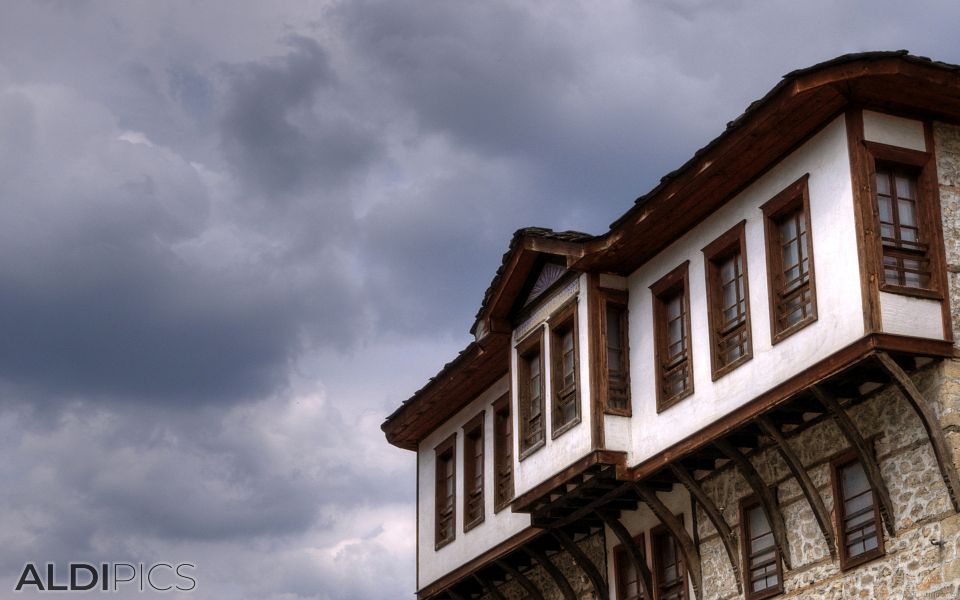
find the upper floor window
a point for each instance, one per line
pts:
(445, 525)
(565, 399)
(502, 452)
(908, 220)
(858, 514)
(628, 584)
(671, 314)
(615, 353)
(728, 301)
(669, 571)
(473, 472)
(530, 393)
(761, 559)
(793, 297)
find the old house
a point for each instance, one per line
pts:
(746, 388)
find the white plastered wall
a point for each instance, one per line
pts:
(840, 322)
(574, 443)
(905, 315)
(495, 528)
(643, 521)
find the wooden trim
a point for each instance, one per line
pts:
(566, 590)
(500, 406)
(928, 417)
(806, 484)
(864, 453)
(565, 316)
(767, 498)
(747, 504)
(839, 461)
(794, 196)
(586, 565)
(864, 221)
(597, 457)
(676, 281)
(674, 525)
(527, 585)
(533, 342)
(499, 551)
(815, 373)
(644, 577)
(732, 241)
(594, 342)
(713, 513)
(474, 428)
(447, 446)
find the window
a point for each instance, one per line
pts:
(728, 301)
(446, 492)
(762, 572)
(669, 572)
(906, 204)
(473, 472)
(565, 398)
(793, 297)
(628, 584)
(615, 355)
(502, 453)
(530, 382)
(857, 513)
(671, 314)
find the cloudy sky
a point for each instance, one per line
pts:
(235, 235)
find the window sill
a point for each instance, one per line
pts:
(528, 451)
(768, 593)
(779, 337)
(912, 291)
(439, 545)
(718, 373)
(663, 405)
(505, 504)
(565, 428)
(852, 563)
(468, 526)
(618, 412)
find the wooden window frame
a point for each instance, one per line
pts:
(473, 432)
(922, 164)
(502, 428)
(562, 320)
(448, 445)
(732, 241)
(621, 554)
(619, 299)
(676, 281)
(747, 504)
(660, 531)
(847, 562)
(532, 342)
(794, 196)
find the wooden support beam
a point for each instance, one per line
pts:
(454, 595)
(864, 453)
(690, 552)
(814, 499)
(521, 579)
(941, 449)
(586, 565)
(488, 586)
(715, 516)
(767, 501)
(644, 579)
(566, 590)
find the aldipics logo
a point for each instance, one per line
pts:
(108, 577)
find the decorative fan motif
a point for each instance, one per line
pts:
(550, 273)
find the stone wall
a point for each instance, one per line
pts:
(913, 565)
(947, 142)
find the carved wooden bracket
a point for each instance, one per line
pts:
(690, 551)
(566, 590)
(522, 579)
(583, 561)
(633, 551)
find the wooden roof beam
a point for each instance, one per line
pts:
(644, 579)
(566, 590)
(586, 565)
(521, 579)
